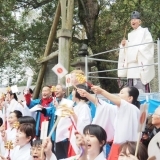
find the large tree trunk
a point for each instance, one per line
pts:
(88, 14)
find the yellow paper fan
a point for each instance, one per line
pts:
(80, 78)
(16, 125)
(9, 145)
(53, 89)
(8, 89)
(2, 95)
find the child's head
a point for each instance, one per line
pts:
(36, 150)
(127, 150)
(95, 138)
(76, 95)
(25, 134)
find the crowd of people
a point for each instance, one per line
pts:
(79, 134)
(81, 126)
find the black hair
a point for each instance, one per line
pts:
(28, 129)
(1, 121)
(77, 95)
(36, 143)
(27, 119)
(30, 91)
(133, 91)
(14, 95)
(17, 113)
(98, 132)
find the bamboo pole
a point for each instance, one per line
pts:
(50, 40)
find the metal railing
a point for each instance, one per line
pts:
(90, 57)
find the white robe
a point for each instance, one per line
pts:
(53, 157)
(62, 130)
(137, 56)
(105, 117)
(120, 122)
(126, 123)
(101, 156)
(11, 136)
(84, 118)
(22, 153)
(14, 105)
(83, 114)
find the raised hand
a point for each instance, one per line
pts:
(123, 42)
(82, 92)
(97, 89)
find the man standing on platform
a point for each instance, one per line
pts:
(140, 54)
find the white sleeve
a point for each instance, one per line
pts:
(126, 123)
(84, 118)
(147, 50)
(26, 110)
(105, 117)
(53, 157)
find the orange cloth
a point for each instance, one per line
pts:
(113, 155)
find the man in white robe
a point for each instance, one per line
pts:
(139, 55)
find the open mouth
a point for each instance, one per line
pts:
(133, 24)
(88, 146)
(35, 157)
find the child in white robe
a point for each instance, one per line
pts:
(81, 117)
(46, 146)
(92, 142)
(125, 121)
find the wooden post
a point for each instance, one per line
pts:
(51, 38)
(65, 34)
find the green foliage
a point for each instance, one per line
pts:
(25, 26)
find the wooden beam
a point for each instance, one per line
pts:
(51, 38)
(49, 57)
(65, 34)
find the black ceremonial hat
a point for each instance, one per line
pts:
(135, 15)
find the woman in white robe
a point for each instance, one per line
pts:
(81, 117)
(82, 111)
(125, 121)
(13, 103)
(24, 136)
(10, 133)
(93, 140)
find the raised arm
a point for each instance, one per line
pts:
(84, 93)
(114, 99)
